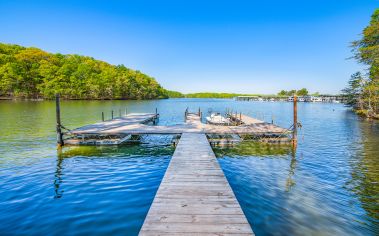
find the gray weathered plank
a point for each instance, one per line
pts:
(194, 196)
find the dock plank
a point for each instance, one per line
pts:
(195, 196)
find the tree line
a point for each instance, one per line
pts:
(363, 87)
(301, 92)
(34, 73)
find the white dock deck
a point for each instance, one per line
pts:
(194, 197)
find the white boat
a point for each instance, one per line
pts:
(217, 119)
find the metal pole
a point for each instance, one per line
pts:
(102, 116)
(58, 118)
(294, 135)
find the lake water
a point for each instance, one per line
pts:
(329, 186)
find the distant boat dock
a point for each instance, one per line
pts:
(308, 98)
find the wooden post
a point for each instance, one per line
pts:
(102, 116)
(241, 117)
(112, 114)
(198, 113)
(58, 118)
(294, 134)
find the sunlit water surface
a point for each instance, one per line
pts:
(329, 186)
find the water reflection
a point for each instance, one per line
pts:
(58, 175)
(151, 146)
(258, 149)
(290, 181)
(251, 148)
(365, 172)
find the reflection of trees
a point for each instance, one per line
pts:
(261, 150)
(249, 148)
(365, 171)
(134, 150)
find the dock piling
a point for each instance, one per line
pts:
(112, 114)
(58, 119)
(102, 116)
(294, 132)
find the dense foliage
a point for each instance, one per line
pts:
(363, 89)
(214, 95)
(33, 73)
(301, 92)
(174, 94)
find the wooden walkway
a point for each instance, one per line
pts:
(194, 197)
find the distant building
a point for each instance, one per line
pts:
(309, 98)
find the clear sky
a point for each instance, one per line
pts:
(254, 46)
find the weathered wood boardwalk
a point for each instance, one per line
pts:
(194, 197)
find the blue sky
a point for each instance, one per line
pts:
(220, 46)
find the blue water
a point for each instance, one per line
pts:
(329, 186)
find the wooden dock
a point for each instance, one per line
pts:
(130, 119)
(193, 124)
(194, 197)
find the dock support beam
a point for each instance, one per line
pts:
(60, 142)
(294, 132)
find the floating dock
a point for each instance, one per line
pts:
(129, 125)
(98, 133)
(194, 197)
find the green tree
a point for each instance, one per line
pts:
(354, 90)
(283, 93)
(302, 92)
(33, 73)
(366, 51)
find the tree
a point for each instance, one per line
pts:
(302, 92)
(283, 93)
(33, 73)
(363, 93)
(354, 90)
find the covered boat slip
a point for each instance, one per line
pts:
(194, 197)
